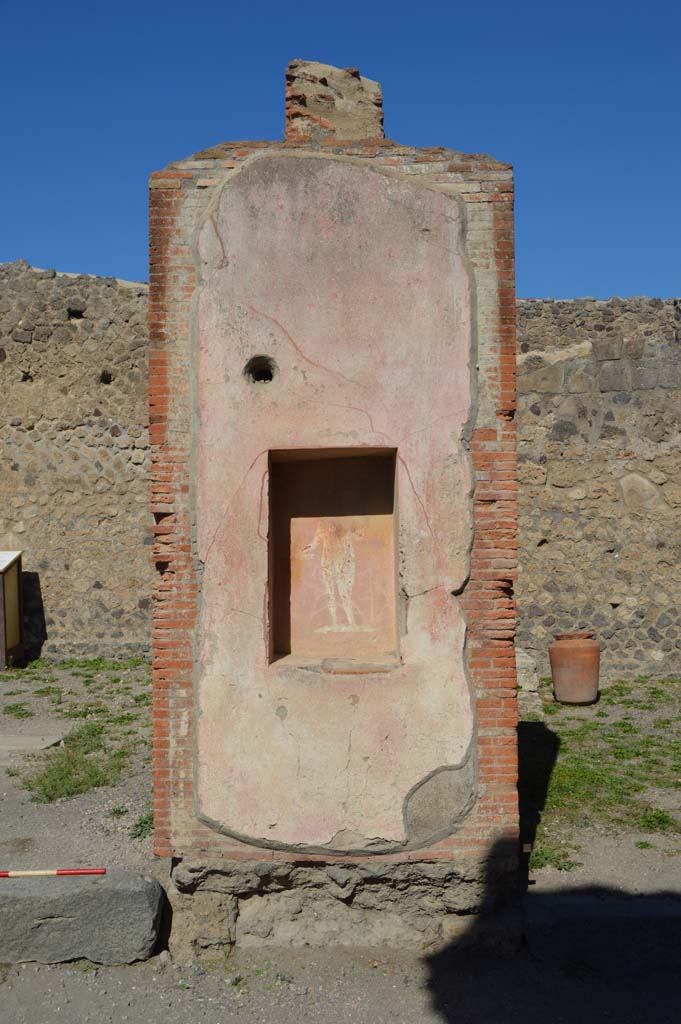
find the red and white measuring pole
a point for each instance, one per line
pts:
(53, 871)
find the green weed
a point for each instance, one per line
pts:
(552, 855)
(102, 664)
(123, 719)
(50, 691)
(143, 827)
(77, 767)
(39, 665)
(18, 710)
(624, 726)
(84, 966)
(86, 710)
(655, 820)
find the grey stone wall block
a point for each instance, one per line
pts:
(542, 378)
(580, 376)
(527, 671)
(657, 373)
(632, 347)
(640, 494)
(614, 375)
(608, 346)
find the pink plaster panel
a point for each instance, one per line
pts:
(354, 282)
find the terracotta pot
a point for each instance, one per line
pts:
(575, 662)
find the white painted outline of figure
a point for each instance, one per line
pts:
(337, 563)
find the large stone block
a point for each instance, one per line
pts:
(109, 919)
(537, 376)
(656, 373)
(640, 494)
(615, 375)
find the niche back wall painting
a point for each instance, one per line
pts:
(333, 575)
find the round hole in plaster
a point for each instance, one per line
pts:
(260, 370)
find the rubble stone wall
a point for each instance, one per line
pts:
(599, 447)
(75, 458)
(599, 420)
(408, 905)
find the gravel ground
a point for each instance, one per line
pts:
(80, 832)
(613, 861)
(336, 987)
(91, 829)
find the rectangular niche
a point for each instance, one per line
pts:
(332, 555)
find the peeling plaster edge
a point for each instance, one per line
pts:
(385, 848)
(458, 818)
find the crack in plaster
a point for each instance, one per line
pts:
(417, 496)
(221, 524)
(225, 261)
(298, 349)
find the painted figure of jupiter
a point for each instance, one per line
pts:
(342, 585)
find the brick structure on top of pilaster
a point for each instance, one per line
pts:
(323, 102)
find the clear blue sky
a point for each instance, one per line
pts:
(583, 98)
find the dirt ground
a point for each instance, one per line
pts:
(93, 828)
(336, 987)
(109, 825)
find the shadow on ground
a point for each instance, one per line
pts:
(572, 955)
(35, 627)
(538, 748)
(579, 955)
